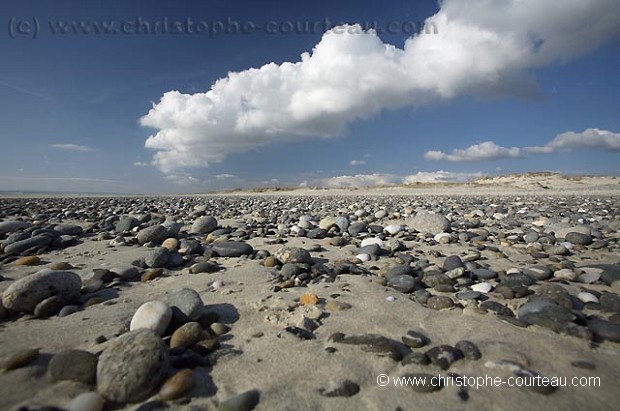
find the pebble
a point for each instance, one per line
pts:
(151, 274)
(415, 339)
(393, 229)
(204, 267)
(452, 262)
(610, 302)
(187, 335)
(219, 329)
(87, 401)
(578, 238)
(232, 249)
(565, 274)
(417, 358)
(293, 255)
(73, 365)
(177, 386)
(403, 283)
(49, 307)
(23, 245)
(245, 401)
(586, 297)
(439, 302)
(482, 287)
(12, 226)
(29, 260)
(308, 298)
(24, 294)
(335, 305)
(374, 343)
(153, 315)
(546, 313)
(187, 300)
(425, 222)
(171, 244)
(604, 330)
(204, 225)
(157, 258)
(21, 358)
(132, 366)
(153, 234)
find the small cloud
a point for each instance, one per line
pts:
(303, 183)
(73, 147)
(182, 178)
(486, 151)
(440, 177)
(140, 164)
(367, 155)
(357, 162)
(591, 138)
(361, 180)
(225, 176)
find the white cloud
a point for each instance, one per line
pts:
(440, 177)
(361, 180)
(481, 47)
(357, 162)
(182, 178)
(73, 147)
(591, 138)
(140, 164)
(225, 176)
(478, 152)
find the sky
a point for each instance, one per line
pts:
(189, 96)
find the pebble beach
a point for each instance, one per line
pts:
(310, 300)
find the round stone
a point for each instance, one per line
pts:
(153, 234)
(68, 229)
(188, 301)
(439, 302)
(12, 226)
(153, 315)
(126, 223)
(187, 335)
(20, 358)
(132, 366)
(204, 225)
(245, 401)
(172, 244)
(578, 238)
(452, 262)
(293, 255)
(24, 294)
(393, 229)
(425, 222)
(565, 274)
(73, 365)
(157, 258)
(49, 307)
(20, 246)
(403, 283)
(444, 356)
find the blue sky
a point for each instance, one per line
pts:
(515, 86)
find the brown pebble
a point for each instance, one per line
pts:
(308, 299)
(151, 274)
(287, 284)
(61, 266)
(379, 280)
(270, 261)
(439, 302)
(21, 358)
(258, 334)
(187, 335)
(29, 260)
(178, 385)
(171, 244)
(94, 301)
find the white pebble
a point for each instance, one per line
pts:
(216, 285)
(565, 274)
(390, 298)
(586, 297)
(363, 257)
(393, 229)
(88, 401)
(154, 315)
(482, 287)
(373, 240)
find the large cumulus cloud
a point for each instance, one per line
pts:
(482, 47)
